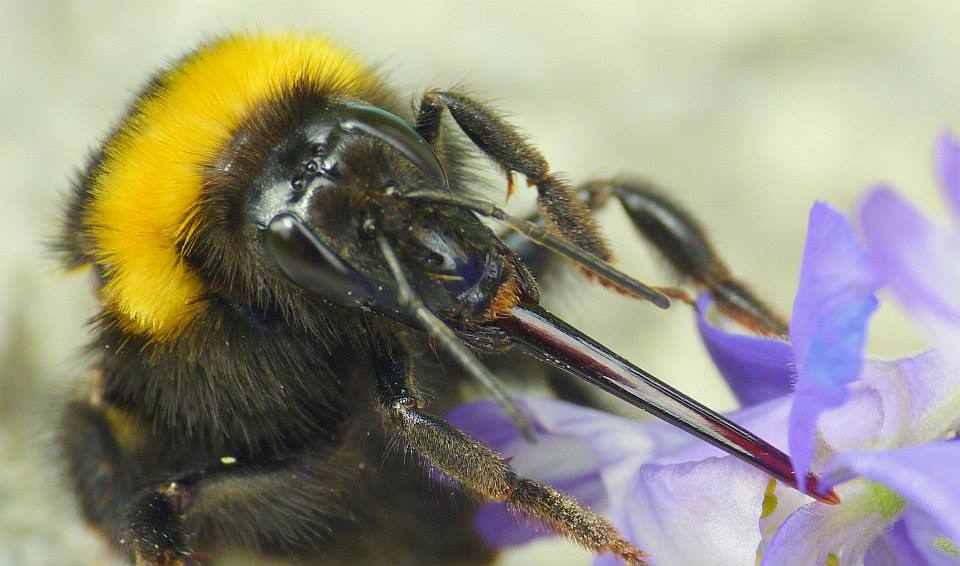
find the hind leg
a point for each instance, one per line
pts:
(290, 506)
(102, 476)
(99, 443)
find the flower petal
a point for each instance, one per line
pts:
(925, 475)
(611, 439)
(904, 402)
(813, 532)
(705, 512)
(583, 452)
(834, 301)
(500, 528)
(948, 169)
(893, 548)
(756, 368)
(564, 461)
(931, 381)
(928, 539)
(919, 261)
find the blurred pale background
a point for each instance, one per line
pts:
(748, 111)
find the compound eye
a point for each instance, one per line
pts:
(309, 263)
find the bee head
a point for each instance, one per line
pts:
(320, 185)
(268, 182)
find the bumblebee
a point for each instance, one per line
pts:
(276, 241)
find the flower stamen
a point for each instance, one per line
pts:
(884, 500)
(947, 546)
(770, 501)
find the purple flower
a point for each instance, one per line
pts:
(880, 431)
(917, 258)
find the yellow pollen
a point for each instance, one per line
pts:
(947, 546)
(769, 500)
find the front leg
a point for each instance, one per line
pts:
(503, 144)
(478, 468)
(680, 238)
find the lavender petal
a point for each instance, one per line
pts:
(756, 368)
(925, 475)
(919, 261)
(833, 304)
(704, 512)
(948, 169)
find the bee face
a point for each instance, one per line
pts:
(304, 189)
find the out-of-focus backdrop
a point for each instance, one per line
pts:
(747, 111)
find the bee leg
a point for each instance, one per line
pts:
(262, 505)
(503, 144)
(291, 506)
(481, 470)
(153, 532)
(673, 231)
(103, 477)
(679, 237)
(682, 241)
(107, 478)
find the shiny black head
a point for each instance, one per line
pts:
(320, 180)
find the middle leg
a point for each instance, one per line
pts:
(481, 470)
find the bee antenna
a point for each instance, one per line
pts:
(409, 299)
(541, 236)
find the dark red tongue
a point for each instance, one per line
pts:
(557, 343)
